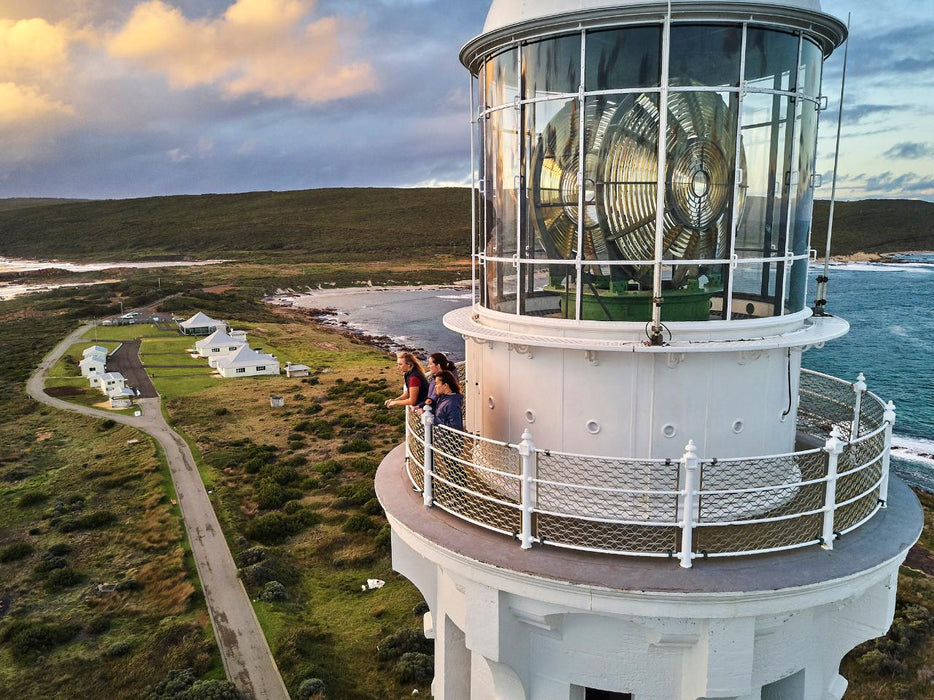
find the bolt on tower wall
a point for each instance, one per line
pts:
(644, 178)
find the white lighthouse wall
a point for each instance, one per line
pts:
(634, 404)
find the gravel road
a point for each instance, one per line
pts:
(246, 655)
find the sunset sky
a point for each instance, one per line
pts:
(107, 99)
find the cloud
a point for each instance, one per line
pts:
(910, 150)
(31, 49)
(23, 104)
(856, 113)
(270, 48)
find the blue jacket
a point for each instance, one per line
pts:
(449, 411)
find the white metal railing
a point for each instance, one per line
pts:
(678, 508)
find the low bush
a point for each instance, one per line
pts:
(415, 667)
(273, 592)
(251, 556)
(355, 445)
(29, 640)
(273, 528)
(32, 498)
(63, 578)
(311, 689)
(15, 552)
(91, 521)
(118, 649)
(401, 642)
(357, 494)
(359, 523)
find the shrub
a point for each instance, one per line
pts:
(251, 556)
(273, 592)
(876, 663)
(222, 411)
(279, 474)
(329, 467)
(359, 523)
(50, 562)
(375, 397)
(383, 539)
(372, 507)
(212, 690)
(118, 649)
(59, 549)
(107, 424)
(305, 426)
(313, 408)
(30, 640)
(415, 667)
(15, 552)
(356, 494)
(401, 642)
(273, 528)
(98, 625)
(63, 578)
(270, 495)
(31, 498)
(91, 521)
(356, 445)
(364, 465)
(311, 688)
(420, 608)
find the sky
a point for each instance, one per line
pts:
(108, 99)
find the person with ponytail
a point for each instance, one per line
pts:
(415, 384)
(437, 363)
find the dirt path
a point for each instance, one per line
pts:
(246, 655)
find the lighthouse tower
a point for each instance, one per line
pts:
(652, 499)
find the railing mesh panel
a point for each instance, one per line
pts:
(823, 403)
(854, 482)
(415, 436)
(609, 537)
(782, 500)
(463, 488)
(591, 477)
(871, 414)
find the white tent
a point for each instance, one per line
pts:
(200, 324)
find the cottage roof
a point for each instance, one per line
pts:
(95, 350)
(245, 356)
(219, 337)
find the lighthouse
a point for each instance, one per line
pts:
(651, 499)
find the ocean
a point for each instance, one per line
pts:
(890, 307)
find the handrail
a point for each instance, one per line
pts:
(661, 507)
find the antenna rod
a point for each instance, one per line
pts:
(821, 302)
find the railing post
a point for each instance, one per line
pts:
(833, 447)
(688, 503)
(859, 388)
(527, 451)
(427, 423)
(889, 418)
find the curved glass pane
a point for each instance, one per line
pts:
(623, 58)
(501, 164)
(548, 290)
(766, 143)
(551, 198)
(501, 282)
(757, 290)
(551, 67)
(705, 55)
(810, 72)
(502, 79)
(771, 59)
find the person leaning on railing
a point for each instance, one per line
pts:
(415, 384)
(449, 408)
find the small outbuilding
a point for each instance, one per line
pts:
(121, 398)
(94, 350)
(247, 363)
(200, 324)
(296, 370)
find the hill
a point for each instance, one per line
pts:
(347, 224)
(358, 224)
(27, 202)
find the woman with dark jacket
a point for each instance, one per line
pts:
(437, 362)
(414, 382)
(449, 409)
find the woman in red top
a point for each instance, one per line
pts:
(415, 387)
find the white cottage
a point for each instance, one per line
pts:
(91, 364)
(200, 324)
(95, 350)
(94, 379)
(247, 363)
(110, 381)
(219, 343)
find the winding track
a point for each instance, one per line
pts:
(245, 653)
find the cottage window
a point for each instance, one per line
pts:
(241, 370)
(261, 368)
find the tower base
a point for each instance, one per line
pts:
(553, 624)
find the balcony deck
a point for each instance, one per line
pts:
(888, 534)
